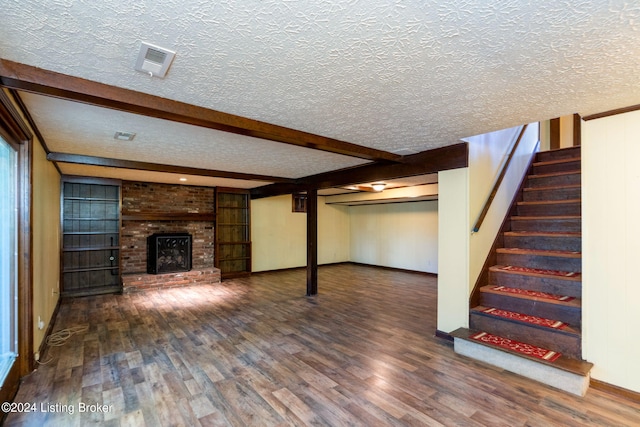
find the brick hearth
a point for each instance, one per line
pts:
(143, 281)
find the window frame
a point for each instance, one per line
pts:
(16, 133)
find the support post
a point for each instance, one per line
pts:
(312, 241)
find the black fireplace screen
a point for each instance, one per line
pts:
(168, 253)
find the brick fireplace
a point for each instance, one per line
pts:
(150, 208)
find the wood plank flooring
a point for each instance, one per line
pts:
(255, 351)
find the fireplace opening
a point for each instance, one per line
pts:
(168, 253)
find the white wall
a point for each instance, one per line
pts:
(487, 155)
(453, 249)
(462, 194)
(279, 236)
(398, 235)
(611, 248)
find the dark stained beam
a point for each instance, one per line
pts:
(312, 242)
(431, 161)
(18, 76)
(554, 133)
(155, 167)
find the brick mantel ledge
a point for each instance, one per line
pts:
(143, 281)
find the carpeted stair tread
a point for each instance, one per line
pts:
(557, 161)
(541, 252)
(563, 329)
(546, 218)
(568, 364)
(555, 274)
(551, 174)
(553, 187)
(544, 233)
(549, 202)
(545, 297)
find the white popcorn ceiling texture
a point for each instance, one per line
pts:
(387, 74)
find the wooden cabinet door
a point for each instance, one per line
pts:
(90, 238)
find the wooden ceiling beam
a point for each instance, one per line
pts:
(18, 76)
(431, 161)
(155, 167)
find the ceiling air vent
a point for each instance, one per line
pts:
(154, 60)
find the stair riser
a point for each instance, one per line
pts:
(552, 181)
(567, 153)
(568, 166)
(567, 344)
(540, 262)
(554, 209)
(563, 313)
(573, 244)
(556, 225)
(535, 195)
(542, 284)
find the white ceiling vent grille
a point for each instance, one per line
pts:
(154, 60)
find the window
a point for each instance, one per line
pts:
(8, 258)
(299, 202)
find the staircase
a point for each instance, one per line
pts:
(541, 254)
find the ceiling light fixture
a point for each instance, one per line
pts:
(124, 136)
(183, 179)
(378, 186)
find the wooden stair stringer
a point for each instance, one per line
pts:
(540, 252)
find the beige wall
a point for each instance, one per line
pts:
(398, 235)
(462, 194)
(453, 249)
(611, 248)
(46, 242)
(279, 236)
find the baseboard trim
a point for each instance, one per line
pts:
(444, 335)
(404, 270)
(615, 390)
(351, 263)
(43, 345)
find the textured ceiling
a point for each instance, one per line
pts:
(169, 143)
(386, 74)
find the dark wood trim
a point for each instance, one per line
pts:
(312, 242)
(612, 112)
(501, 176)
(43, 82)
(615, 390)
(554, 133)
(89, 180)
(141, 216)
(577, 130)
(25, 236)
(431, 161)
(155, 167)
(443, 335)
(17, 134)
(12, 128)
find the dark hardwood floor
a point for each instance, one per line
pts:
(256, 351)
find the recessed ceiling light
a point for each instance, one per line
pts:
(378, 186)
(183, 179)
(124, 136)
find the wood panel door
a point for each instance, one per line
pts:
(90, 238)
(233, 242)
